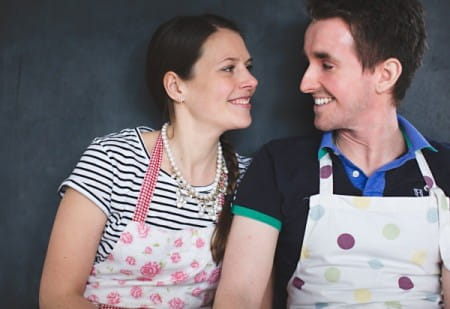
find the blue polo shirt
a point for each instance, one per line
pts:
(375, 184)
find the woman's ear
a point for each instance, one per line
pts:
(390, 71)
(173, 85)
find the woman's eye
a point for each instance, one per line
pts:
(229, 68)
(250, 67)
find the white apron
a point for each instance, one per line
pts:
(372, 252)
(150, 267)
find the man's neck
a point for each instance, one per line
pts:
(371, 147)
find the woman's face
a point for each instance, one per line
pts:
(218, 94)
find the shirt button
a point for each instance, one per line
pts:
(355, 173)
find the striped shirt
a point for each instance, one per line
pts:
(110, 174)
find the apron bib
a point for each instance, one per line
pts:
(371, 252)
(150, 267)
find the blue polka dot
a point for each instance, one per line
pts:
(432, 298)
(321, 305)
(432, 215)
(316, 212)
(376, 264)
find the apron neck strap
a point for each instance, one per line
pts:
(326, 173)
(148, 186)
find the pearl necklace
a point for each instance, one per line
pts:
(209, 203)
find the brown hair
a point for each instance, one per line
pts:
(381, 29)
(176, 46)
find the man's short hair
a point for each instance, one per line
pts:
(381, 29)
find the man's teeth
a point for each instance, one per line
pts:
(321, 101)
(241, 101)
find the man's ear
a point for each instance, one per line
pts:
(173, 85)
(389, 72)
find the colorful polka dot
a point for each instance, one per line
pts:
(391, 231)
(405, 283)
(361, 202)
(325, 171)
(321, 305)
(418, 257)
(362, 295)
(432, 298)
(304, 254)
(375, 264)
(432, 215)
(428, 181)
(298, 283)
(316, 212)
(346, 241)
(332, 274)
(393, 304)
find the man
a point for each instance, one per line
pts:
(358, 216)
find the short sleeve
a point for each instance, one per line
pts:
(92, 176)
(258, 196)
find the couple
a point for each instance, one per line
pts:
(145, 215)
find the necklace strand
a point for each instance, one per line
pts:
(210, 204)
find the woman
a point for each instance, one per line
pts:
(141, 207)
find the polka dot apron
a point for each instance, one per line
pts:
(155, 268)
(372, 252)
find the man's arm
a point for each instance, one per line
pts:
(247, 264)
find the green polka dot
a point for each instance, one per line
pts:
(393, 304)
(362, 295)
(332, 274)
(391, 231)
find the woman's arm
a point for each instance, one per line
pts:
(76, 233)
(247, 264)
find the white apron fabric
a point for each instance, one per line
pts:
(155, 268)
(372, 252)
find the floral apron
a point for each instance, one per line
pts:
(150, 267)
(372, 252)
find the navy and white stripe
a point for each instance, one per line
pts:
(110, 173)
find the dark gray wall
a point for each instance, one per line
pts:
(73, 70)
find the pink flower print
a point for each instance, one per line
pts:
(160, 283)
(148, 250)
(110, 257)
(176, 303)
(113, 298)
(136, 292)
(214, 276)
(93, 298)
(156, 298)
(126, 272)
(121, 282)
(196, 292)
(195, 264)
(92, 273)
(143, 230)
(179, 276)
(199, 243)
(126, 238)
(130, 260)
(175, 257)
(178, 242)
(200, 277)
(150, 270)
(95, 285)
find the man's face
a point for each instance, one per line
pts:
(341, 89)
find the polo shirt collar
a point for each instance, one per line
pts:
(413, 138)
